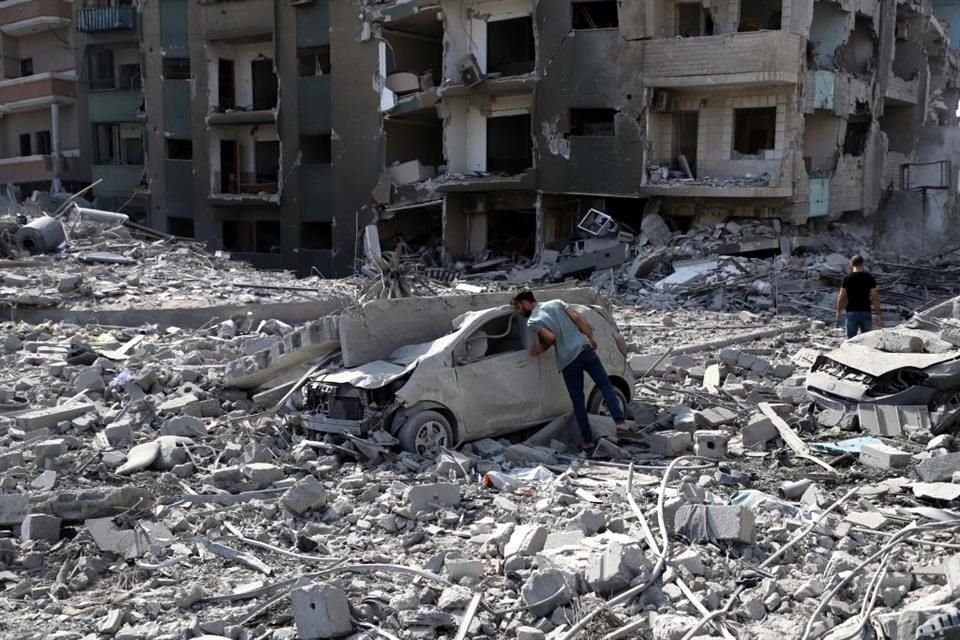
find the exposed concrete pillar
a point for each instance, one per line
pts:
(55, 185)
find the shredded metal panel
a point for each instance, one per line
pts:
(889, 420)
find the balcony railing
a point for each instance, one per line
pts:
(97, 19)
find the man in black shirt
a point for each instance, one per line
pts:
(858, 292)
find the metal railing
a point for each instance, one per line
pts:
(96, 19)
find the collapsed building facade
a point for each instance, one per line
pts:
(505, 121)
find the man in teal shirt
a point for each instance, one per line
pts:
(560, 327)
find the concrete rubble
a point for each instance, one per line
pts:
(151, 488)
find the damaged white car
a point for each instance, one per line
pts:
(477, 381)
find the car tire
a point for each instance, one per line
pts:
(596, 405)
(425, 433)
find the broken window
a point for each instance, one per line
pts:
(693, 20)
(855, 141)
(821, 138)
(686, 126)
(510, 46)
(498, 336)
(316, 149)
(419, 138)
(130, 77)
(181, 227)
(316, 236)
(754, 130)
(226, 92)
(100, 69)
(26, 67)
(118, 144)
(267, 161)
(265, 85)
(44, 145)
(595, 14)
(268, 234)
(179, 149)
(759, 15)
(856, 56)
(828, 32)
(313, 61)
(592, 122)
(509, 148)
(898, 123)
(25, 147)
(176, 68)
(238, 235)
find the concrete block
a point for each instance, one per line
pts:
(380, 327)
(90, 379)
(11, 460)
(951, 567)
(556, 539)
(40, 526)
(310, 342)
(729, 357)
(690, 560)
(709, 523)
(426, 497)
(263, 473)
(49, 449)
(129, 543)
(118, 434)
(13, 509)
(669, 444)
(712, 377)
(527, 540)
(939, 468)
(530, 633)
(321, 611)
(547, 589)
(587, 521)
(759, 431)
(51, 416)
(525, 453)
(710, 444)
(179, 404)
(307, 494)
(614, 567)
(783, 370)
(185, 426)
(882, 456)
(716, 417)
(458, 569)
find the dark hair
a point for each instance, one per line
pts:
(856, 261)
(524, 296)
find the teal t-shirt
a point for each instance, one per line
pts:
(553, 316)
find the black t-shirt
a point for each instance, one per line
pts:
(858, 285)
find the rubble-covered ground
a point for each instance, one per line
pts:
(141, 498)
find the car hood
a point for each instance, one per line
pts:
(877, 363)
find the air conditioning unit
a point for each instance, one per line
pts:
(470, 72)
(662, 101)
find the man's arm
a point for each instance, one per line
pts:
(841, 302)
(582, 326)
(875, 299)
(545, 340)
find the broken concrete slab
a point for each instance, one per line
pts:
(939, 468)
(380, 327)
(526, 540)
(50, 417)
(669, 444)
(13, 509)
(427, 497)
(306, 494)
(544, 591)
(615, 567)
(129, 543)
(321, 611)
(310, 342)
(758, 431)
(882, 456)
(40, 526)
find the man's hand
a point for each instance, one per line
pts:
(536, 350)
(593, 342)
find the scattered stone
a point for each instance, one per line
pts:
(427, 497)
(882, 456)
(711, 523)
(544, 591)
(306, 495)
(40, 526)
(321, 611)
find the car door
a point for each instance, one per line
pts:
(499, 385)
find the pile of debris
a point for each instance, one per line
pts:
(153, 487)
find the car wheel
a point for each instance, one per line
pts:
(425, 433)
(598, 407)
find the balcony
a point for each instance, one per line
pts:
(25, 17)
(727, 179)
(101, 19)
(235, 117)
(760, 58)
(902, 92)
(26, 169)
(115, 105)
(38, 91)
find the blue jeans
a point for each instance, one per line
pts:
(861, 321)
(589, 361)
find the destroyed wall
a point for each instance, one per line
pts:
(590, 108)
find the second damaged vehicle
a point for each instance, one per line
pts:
(475, 382)
(914, 364)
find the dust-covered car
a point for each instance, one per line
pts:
(477, 381)
(916, 363)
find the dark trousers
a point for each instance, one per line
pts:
(860, 321)
(589, 361)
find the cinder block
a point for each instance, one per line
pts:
(50, 449)
(668, 444)
(40, 526)
(710, 444)
(458, 569)
(51, 416)
(881, 456)
(614, 567)
(527, 540)
(709, 523)
(321, 611)
(759, 431)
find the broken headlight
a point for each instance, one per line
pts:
(896, 382)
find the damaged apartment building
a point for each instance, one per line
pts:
(214, 120)
(504, 121)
